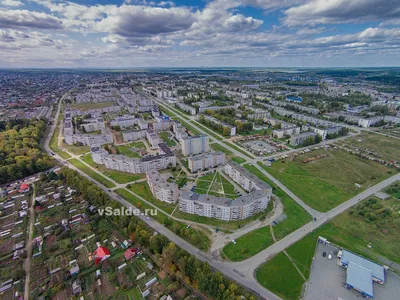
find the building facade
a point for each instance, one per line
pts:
(161, 189)
(193, 145)
(206, 161)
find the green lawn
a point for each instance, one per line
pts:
(165, 137)
(249, 244)
(91, 173)
(117, 176)
(239, 160)
(241, 150)
(77, 150)
(281, 277)
(325, 183)
(394, 190)
(127, 151)
(218, 147)
(215, 184)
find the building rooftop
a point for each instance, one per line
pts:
(360, 278)
(378, 271)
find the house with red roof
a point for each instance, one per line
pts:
(24, 188)
(129, 253)
(101, 254)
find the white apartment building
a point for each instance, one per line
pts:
(179, 131)
(153, 138)
(224, 208)
(206, 161)
(369, 122)
(287, 131)
(70, 138)
(125, 121)
(165, 159)
(187, 108)
(91, 125)
(161, 189)
(134, 135)
(244, 178)
(193, 145)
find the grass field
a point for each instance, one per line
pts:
(117, 176)
(249, 244)
(281, 277)
(387, 147)
(87, 106)
(91, 173)
(239, 160)
(330, 181)
(218, 147)
(394, 190)
(216, 185)
(77, 150)
(127, 151)
(259, 239)
(165, 137)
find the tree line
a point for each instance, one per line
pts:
(20, 152)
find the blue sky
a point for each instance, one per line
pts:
(212, 33)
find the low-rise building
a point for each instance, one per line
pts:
(299, 139)
(286, 132)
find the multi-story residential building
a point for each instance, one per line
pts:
(369, 122)
(187, 108)
(153, 138)
(162, 124)
(286, 131)
(232, 129)
(179, 131)
(165, 159)
(244, 178)
(206, 161)
(134, 135)
(70, 138)
(161, 189)
(327, 131)
(91, 125)
(299, 139)
(155, 111)
(224, 208)
(193, 145)
(125, 121)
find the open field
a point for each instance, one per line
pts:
(91, 105)
(238, 160)
(77, 150)
(257, 240)
(387, 147)
(394, 190)
(117, 176)
(280, 276)
(215, 184)
(325, 183)
(91, 173)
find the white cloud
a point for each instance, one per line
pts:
(11, 3)
(28, 19)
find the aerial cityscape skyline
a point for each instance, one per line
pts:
(219, 33)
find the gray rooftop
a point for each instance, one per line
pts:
(377, 271)
(360, 278)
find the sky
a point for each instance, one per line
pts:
(199, 33)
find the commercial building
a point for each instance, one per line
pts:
(299, 139)
(206, 161)
(161, 189)
(163, 160)
(193, 145)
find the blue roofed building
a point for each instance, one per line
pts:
(294, 99)
(360, 279)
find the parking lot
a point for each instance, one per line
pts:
(327, 280)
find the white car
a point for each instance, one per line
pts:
(234, 242)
